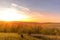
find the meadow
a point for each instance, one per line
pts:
(29, 31)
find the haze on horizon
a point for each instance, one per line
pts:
(34, 10)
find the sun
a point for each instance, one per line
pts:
(11, 14)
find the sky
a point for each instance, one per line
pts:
(38, 10)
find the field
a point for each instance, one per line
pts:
(15, 36)
(29, 31)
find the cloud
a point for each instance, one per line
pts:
(21, 8)
(33, 14)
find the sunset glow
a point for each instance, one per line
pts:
(10, 14)
(27, 10)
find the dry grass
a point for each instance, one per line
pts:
(15, 36)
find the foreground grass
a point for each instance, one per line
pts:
(28, 37)
(9, 36)
(46, 37)
(15, 36)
